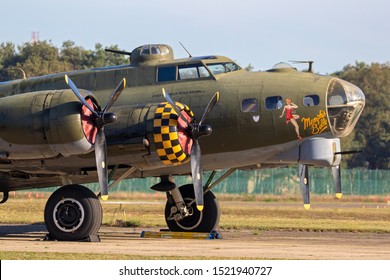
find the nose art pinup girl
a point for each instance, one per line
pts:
(290, 106)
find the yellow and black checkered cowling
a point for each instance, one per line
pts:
(166, 134)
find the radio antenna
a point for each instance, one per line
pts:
(185, 49)
(310, 62)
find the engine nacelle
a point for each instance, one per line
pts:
(320, 152)
(316, 151)
(45, 124)
(169, 133)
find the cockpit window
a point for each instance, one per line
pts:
(192, 72)
(220, 68)
(188, 73)
(184, 72)
(166, 73)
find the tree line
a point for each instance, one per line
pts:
(43, 58)
(372, 132)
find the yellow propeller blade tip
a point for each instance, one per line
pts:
(339, 195)
(104, 197)
(217, 95)
(200, 207)
(66, 79)
(306, 206)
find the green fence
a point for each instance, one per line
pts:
(278, 181)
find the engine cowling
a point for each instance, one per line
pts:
(170, 134)
(46, 124)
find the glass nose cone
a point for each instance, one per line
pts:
(345, 103)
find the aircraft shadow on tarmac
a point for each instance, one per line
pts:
(32, 230)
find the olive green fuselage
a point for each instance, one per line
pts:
(248, 128)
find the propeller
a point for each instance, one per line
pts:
(305, 186)
(100, 119)
(196, 130)
(336, 172)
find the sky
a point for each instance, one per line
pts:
(262, 33)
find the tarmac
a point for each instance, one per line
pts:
(234, 244)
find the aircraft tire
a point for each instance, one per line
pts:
(205, 221)
(73, 213)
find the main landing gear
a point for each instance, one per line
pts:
(181, 213)
(184, 216)
(73, 213)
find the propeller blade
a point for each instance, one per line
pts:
(214, 100)
(101, 162)
(305, 187)
(336, 172)
(177, 109)
(76, 91)
(196, 171)
(115, 95)
(197, 130)
(101, 118)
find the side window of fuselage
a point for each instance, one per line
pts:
(250, 105)
(273, 103)
(311, 100)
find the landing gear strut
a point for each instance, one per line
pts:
(73, 213)
(188, 217)
(181, 213)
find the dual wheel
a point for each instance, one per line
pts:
(74, 213)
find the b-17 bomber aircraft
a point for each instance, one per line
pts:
(159, 116)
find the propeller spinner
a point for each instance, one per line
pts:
(196, 130)
(100, 119)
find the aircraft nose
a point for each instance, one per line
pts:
(345, 103)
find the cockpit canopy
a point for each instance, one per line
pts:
(151, 54)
